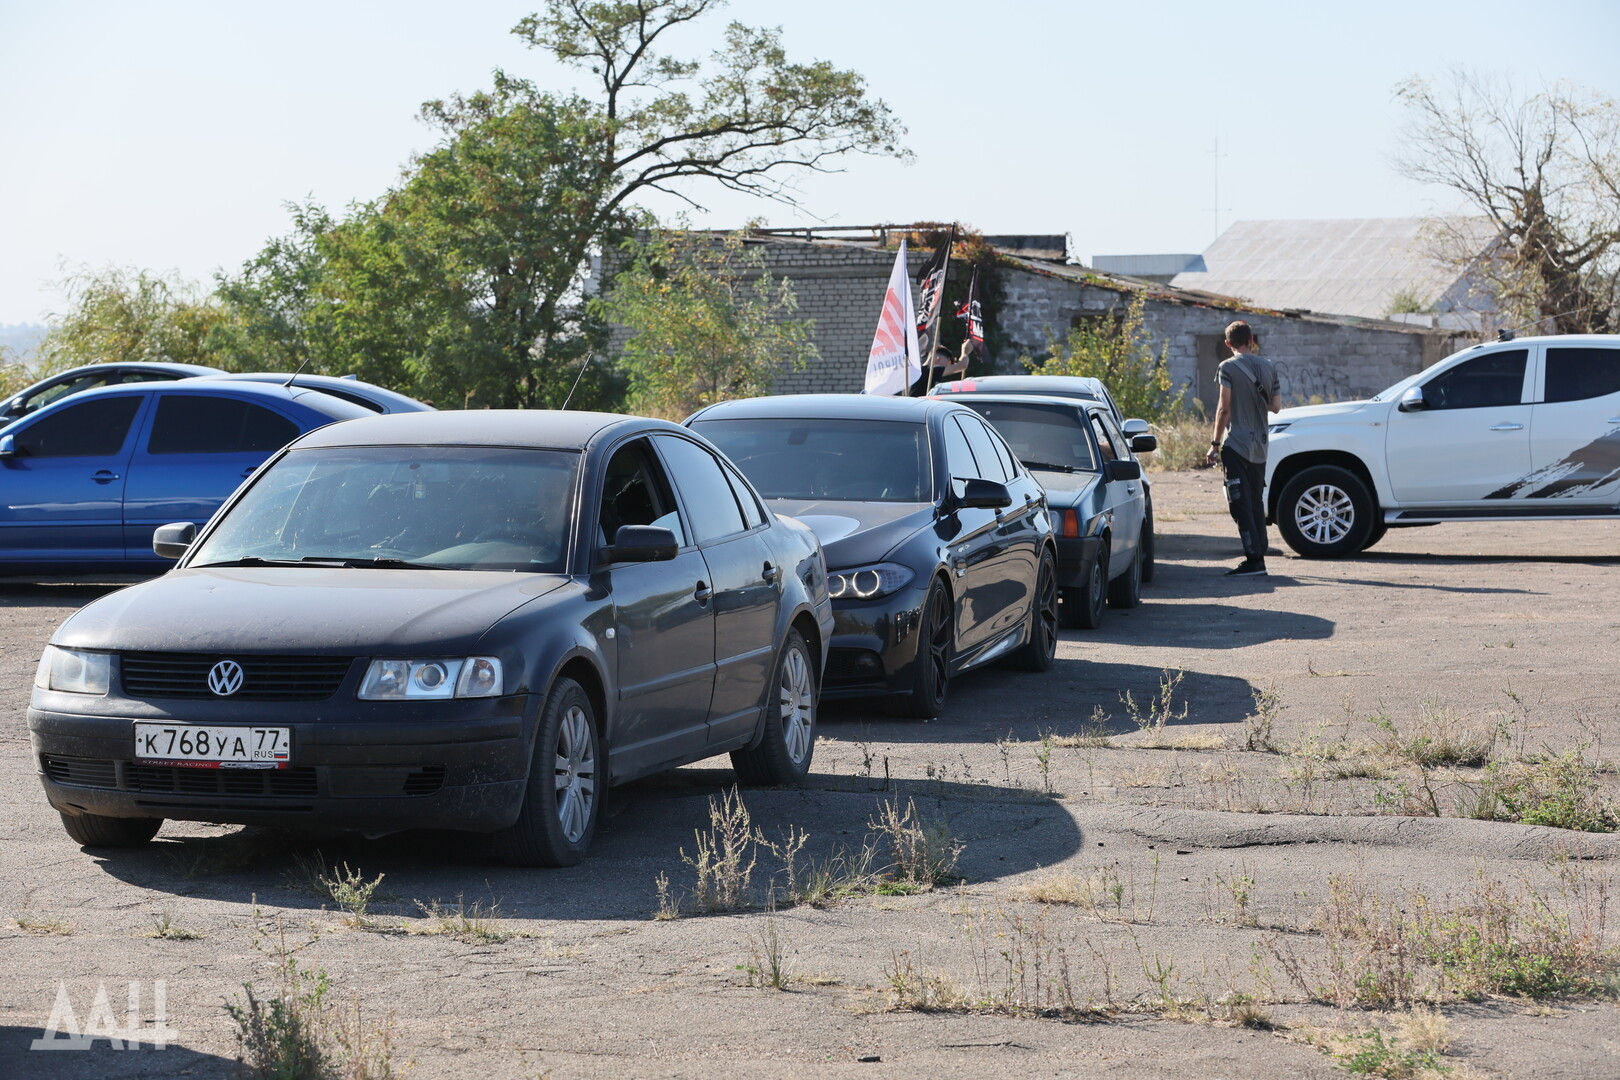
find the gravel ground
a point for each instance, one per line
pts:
(1199, 866)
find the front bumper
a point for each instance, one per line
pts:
(874, 644)
(445, 765)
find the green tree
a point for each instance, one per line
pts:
(1116, 348)
(466, 284)
(121, 315)
(705, 322)
(1545, 170)
(274, 306)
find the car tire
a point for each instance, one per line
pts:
(565, 788)
(1379, 530)
(1326, 511)
(931, 672)
(95, 830)
(1125, 591)
(789, 740)
(1082, 608)
(1039, 653)
(1147, 539)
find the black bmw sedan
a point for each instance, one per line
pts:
(939, 545)
(460, 620)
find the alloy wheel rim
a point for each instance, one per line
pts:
(1049, 607)
(1324, 514)
(797, 704)
(575, 773)
(939, 645)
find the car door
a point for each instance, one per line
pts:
(663, 622)
(1470, 438)
(1010, 569)
(974, 545)
(1122, 498)
(197, 449)
(746, 580)
(62, 483)
(1574, 428)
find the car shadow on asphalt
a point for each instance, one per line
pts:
(100, 1059)
(648, 830)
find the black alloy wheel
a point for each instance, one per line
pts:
(931, 671)
(1039, 653)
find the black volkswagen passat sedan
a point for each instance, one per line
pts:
(459, 620)
(939, 547)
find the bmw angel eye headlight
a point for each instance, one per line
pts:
(431, 680)
(73, 671)
(867, 582)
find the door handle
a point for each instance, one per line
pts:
(1508, 427)
(769, 572)
(104, 476)
(702, 593)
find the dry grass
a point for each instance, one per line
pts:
(476, 923)
(42, 925)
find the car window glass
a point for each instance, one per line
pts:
(710, 505)
(89, 429)
(753, 513)
(635, 492)
(1578, 374)
(1051, 434)
(958, 455)
(201, 424)
(1009, 463)
(823, 458)
(1104, 442)
(1488, 381)
(1122, 445)
(63, 389)
(984, 449)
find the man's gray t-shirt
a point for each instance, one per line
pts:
(1253, 380)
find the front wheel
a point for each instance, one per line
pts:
(1326, 511)
(1125, 591)
(560, 803)
(96, 830)
(931, 671)
(1083, 607)
(789, 741)
(1041, 649)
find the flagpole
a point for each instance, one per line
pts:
(933, 344)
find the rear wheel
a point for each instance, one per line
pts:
(785, 749)
(1083, 607)
(1041, 649)
(1326, 511)
(931, 671)
(94, 830)
(1125, 591)
(1147, 539)
(560, 804)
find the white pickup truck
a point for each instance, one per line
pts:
(1505, 431)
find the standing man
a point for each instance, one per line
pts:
(1248, 392)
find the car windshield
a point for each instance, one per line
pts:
(855, 460)
(449, 507)
(1043, 436)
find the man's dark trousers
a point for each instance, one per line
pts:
(1245, 497)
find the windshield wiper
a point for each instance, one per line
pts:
(1048, 466)
(251, 560)
(380, 562)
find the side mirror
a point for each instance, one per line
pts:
(173, 541)
(8, 446)
(978, 493)
(1412, 400)
(1134, 427)
(641, 543)
(1144, 444)
(1124, 470)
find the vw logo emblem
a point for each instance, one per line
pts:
(225, 678)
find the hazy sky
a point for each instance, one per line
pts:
(169, 134)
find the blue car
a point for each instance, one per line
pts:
(84, 482)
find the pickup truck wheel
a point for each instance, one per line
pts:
(1325, 512)
(1377, 534)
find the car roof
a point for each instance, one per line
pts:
(1067, 402)
(168, 367)
(546, 428)
(340, 385)
(1062, 385)
(826, 407)
(336, 408)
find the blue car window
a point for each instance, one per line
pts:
(87, 429)
(198, 424)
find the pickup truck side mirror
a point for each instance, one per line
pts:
(1412, 400)
(641, 543)
(1144, 444)
(1134, 427)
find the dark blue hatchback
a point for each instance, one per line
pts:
(85, 481)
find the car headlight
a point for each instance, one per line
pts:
(1278, 429)
(867, 582)
(428, 680)
(73, 671)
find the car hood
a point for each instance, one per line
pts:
(304, 609)
(857, 533)
(1321, 412)
(1065, 488)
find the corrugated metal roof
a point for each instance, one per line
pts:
(1341, 267)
